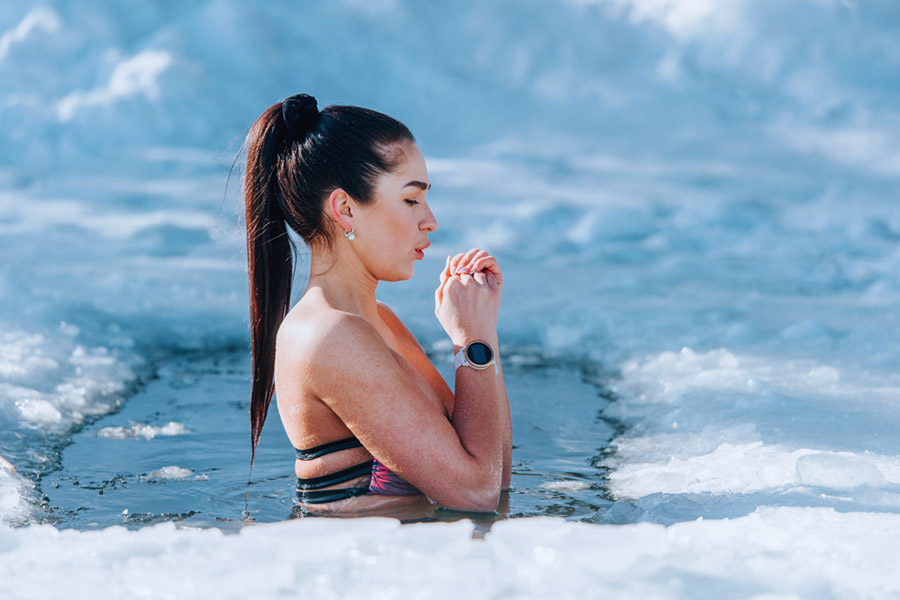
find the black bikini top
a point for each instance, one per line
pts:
(350, 442)
(306, 488)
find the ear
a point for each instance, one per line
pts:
(340, 208)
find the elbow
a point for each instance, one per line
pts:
(479, 498)
(475, 501)
(485, 500)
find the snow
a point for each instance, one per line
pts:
(144, 430)
(171, 472)
(770, 553)
(693, 204)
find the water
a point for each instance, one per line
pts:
(694, 205)
(178, 451)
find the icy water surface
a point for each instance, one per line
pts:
(178, 451)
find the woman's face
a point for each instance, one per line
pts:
(392, 232)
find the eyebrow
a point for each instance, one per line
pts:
(419, 184)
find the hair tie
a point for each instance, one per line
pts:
(300, 113)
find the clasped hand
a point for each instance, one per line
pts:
(467, 300)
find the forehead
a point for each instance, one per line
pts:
(411, 168)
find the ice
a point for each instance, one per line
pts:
(21, 357)
(49, 381)
(773, 552)
(144, 430)
(824, 376)
(683, 19)
(869, 148)
(840, 472)
(35, 411)
(40, 19)
(171, 472)
(135, 76)
(749, 431)
(18, 498)
(743, 468)
(566, 486)
(693, 203)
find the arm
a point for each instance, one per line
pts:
(420, 361)
(456, 464)
(503, 419)
(436, 380)
(479, 261)
(505, 427)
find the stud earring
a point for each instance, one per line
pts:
(350, 235)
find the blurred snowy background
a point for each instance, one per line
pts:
(696, 198)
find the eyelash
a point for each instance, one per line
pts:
(411, 202)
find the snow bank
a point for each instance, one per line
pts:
(783, 552)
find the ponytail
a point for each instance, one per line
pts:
(269, 261)
(296, 156)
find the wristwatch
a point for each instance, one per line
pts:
(477, 355)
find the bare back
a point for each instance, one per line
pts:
(309, 421)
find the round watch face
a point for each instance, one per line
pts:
(479, 353)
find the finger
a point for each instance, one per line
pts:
(479, 277)
(451, 283)
(444, 276)
(473, 260)
(466, 262)
(454, 263)
(486, 263)
(446, 272)
(441, 291)
(472, 254)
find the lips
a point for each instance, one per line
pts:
(420, 254)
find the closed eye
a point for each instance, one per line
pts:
(411, 202)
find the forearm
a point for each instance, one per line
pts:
(479, 422)
(505, 427)
(466, 304)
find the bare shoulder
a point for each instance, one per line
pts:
(396, 325)
(387, 314)
(322, 336)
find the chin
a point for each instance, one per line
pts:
(398, 275)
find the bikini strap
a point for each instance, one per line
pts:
(314, 483)
(322, 496)
(350, 442)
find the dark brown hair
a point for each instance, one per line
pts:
(296, 156)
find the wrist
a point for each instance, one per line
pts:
(461, 342)
(478, 355)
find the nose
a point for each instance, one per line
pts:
(429, 223)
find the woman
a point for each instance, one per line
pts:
(373, 422)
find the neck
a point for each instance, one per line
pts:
(344, 283)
